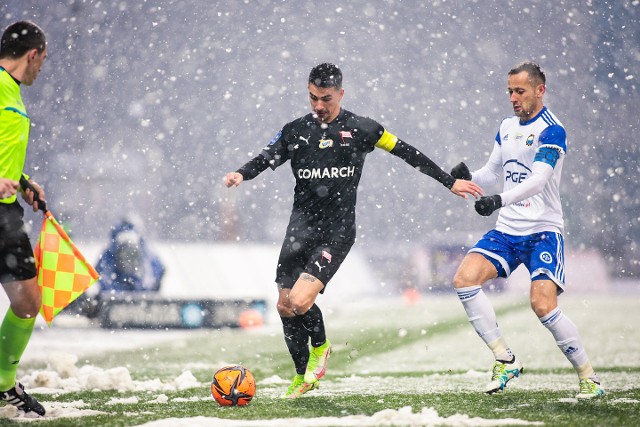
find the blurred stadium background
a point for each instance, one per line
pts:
(142, 107)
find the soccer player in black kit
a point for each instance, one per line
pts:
(326, 148)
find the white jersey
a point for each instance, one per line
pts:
(541, 139)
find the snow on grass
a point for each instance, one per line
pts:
(405, 417)
(457, 361)
(607, 325)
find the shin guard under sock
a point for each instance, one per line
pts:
(314, 324)
(297, 339)
(15, 333)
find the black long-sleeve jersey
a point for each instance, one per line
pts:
(327, 162)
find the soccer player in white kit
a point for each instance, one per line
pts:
(527, 156)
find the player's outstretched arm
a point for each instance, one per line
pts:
(233, 179)
(424, 164)
(541, 173)
(248, 171)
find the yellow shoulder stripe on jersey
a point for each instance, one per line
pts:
(387, 141)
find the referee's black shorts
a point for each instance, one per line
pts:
(317, 257)
(17, 261)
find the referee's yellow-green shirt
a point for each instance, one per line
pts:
(14, 130)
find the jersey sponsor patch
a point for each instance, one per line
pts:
(334, 172)
(275, 138)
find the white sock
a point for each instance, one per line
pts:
(568, 340)
(483, 318)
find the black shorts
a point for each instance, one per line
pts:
(318, 257)
(17, 262)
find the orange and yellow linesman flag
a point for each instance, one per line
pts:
(63, 272)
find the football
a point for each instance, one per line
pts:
(233, 386)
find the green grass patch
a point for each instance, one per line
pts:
(265, 354)
(551, 408)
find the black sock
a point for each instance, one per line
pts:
(297, 338)
(314, 324)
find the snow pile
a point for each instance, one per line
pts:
(62, 375)
(54, 410)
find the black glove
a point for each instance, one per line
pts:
(488, 204)
(461, 171)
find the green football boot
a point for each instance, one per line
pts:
(299, 387)
(590, 389)
(317, 364)
(502, 374)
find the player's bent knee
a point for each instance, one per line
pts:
(284, 309)
(463, 280)
(458, 282)
(299, 308)
(541, 307)
(286, 313)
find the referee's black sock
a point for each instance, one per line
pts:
(314, 324)
(297, 339)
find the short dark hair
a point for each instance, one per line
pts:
(535, 72)
(326, 75)
(19, 38)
